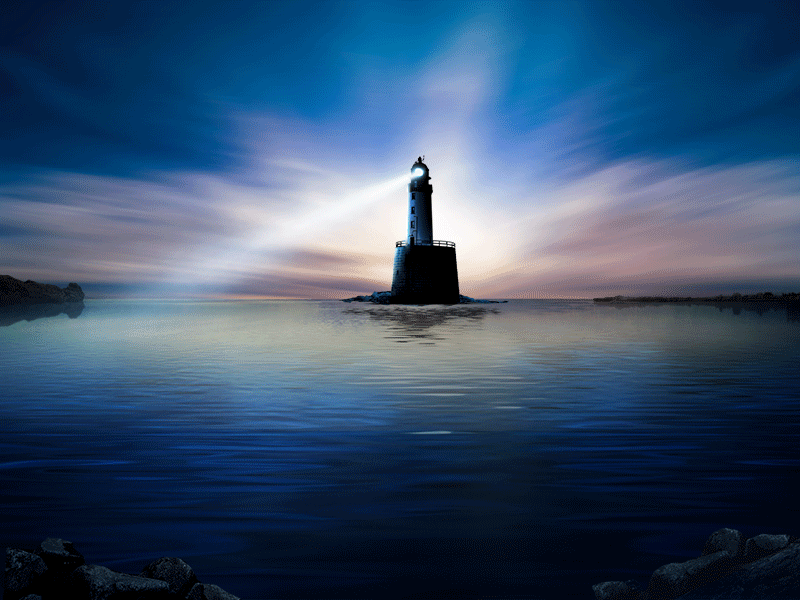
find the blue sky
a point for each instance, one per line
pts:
(576, 148)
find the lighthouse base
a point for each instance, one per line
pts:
(425, 275)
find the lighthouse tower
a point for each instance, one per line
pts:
(420, 218)
(425, 270)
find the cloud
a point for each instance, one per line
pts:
(558, 203)
(195, 230)
(655, 228)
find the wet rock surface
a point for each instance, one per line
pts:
(57, 570)
(177, 574)
(100, 583)
(24, 571)
(60, 555)
(725, 539)
(773, 577)
(205, 591)
(764, 545)
(730, 567)
(674, 579)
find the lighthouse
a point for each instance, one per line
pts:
(425, 270)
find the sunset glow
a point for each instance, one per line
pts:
(263, 149)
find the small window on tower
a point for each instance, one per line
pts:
(413, 195)
(412, 210)
(412, 224)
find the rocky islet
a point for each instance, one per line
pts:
(14, 292)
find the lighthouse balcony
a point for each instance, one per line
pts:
(402, 243)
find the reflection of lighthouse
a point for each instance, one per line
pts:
(425, 269)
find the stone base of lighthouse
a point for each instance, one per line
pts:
(425, 275)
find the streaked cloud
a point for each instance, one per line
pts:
(654, 228)
(573, 153)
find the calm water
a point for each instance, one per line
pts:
(322, 449)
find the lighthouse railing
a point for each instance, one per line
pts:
(433, 243)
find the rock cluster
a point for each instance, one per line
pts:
(57, 570)
(386, 298)
(730, 567)
(16, 292)
(374, 297)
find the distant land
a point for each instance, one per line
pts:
(759, 297)
(14, 292)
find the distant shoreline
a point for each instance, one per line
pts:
(761, 297)
(14, 292)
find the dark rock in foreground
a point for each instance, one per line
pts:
(760, 568)
(386, 298)
(177, 574)
(57, 570)
(101, 583)
(776, 577)
(23, 571)
(15, 292)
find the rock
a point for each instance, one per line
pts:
(467, 300)
(374, 297)
(763, 545)
(386, 298)
(60, 555)
(205, 591)
(32, 597)
(13, 292)
(617, 590)
(725, 539)
(93, 582)
(73, 293)
(24, 571)
(775, 577)
(675, 579)
(179, 576)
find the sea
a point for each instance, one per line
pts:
(323, 449)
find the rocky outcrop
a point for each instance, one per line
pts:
(776, 576)
(467, 300)
(386, 298)
(15, 292)
(374, 297)
(24, 570)
(730, 567)
(177, 574)
(57, 570)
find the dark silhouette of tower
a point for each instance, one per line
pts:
(425, 270)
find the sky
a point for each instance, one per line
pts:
(263, 149)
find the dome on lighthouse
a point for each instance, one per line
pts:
(419, 169)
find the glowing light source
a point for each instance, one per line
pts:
(418, 172)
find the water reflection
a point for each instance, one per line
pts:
(791, 309)
(14, 314)
(408, 323)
